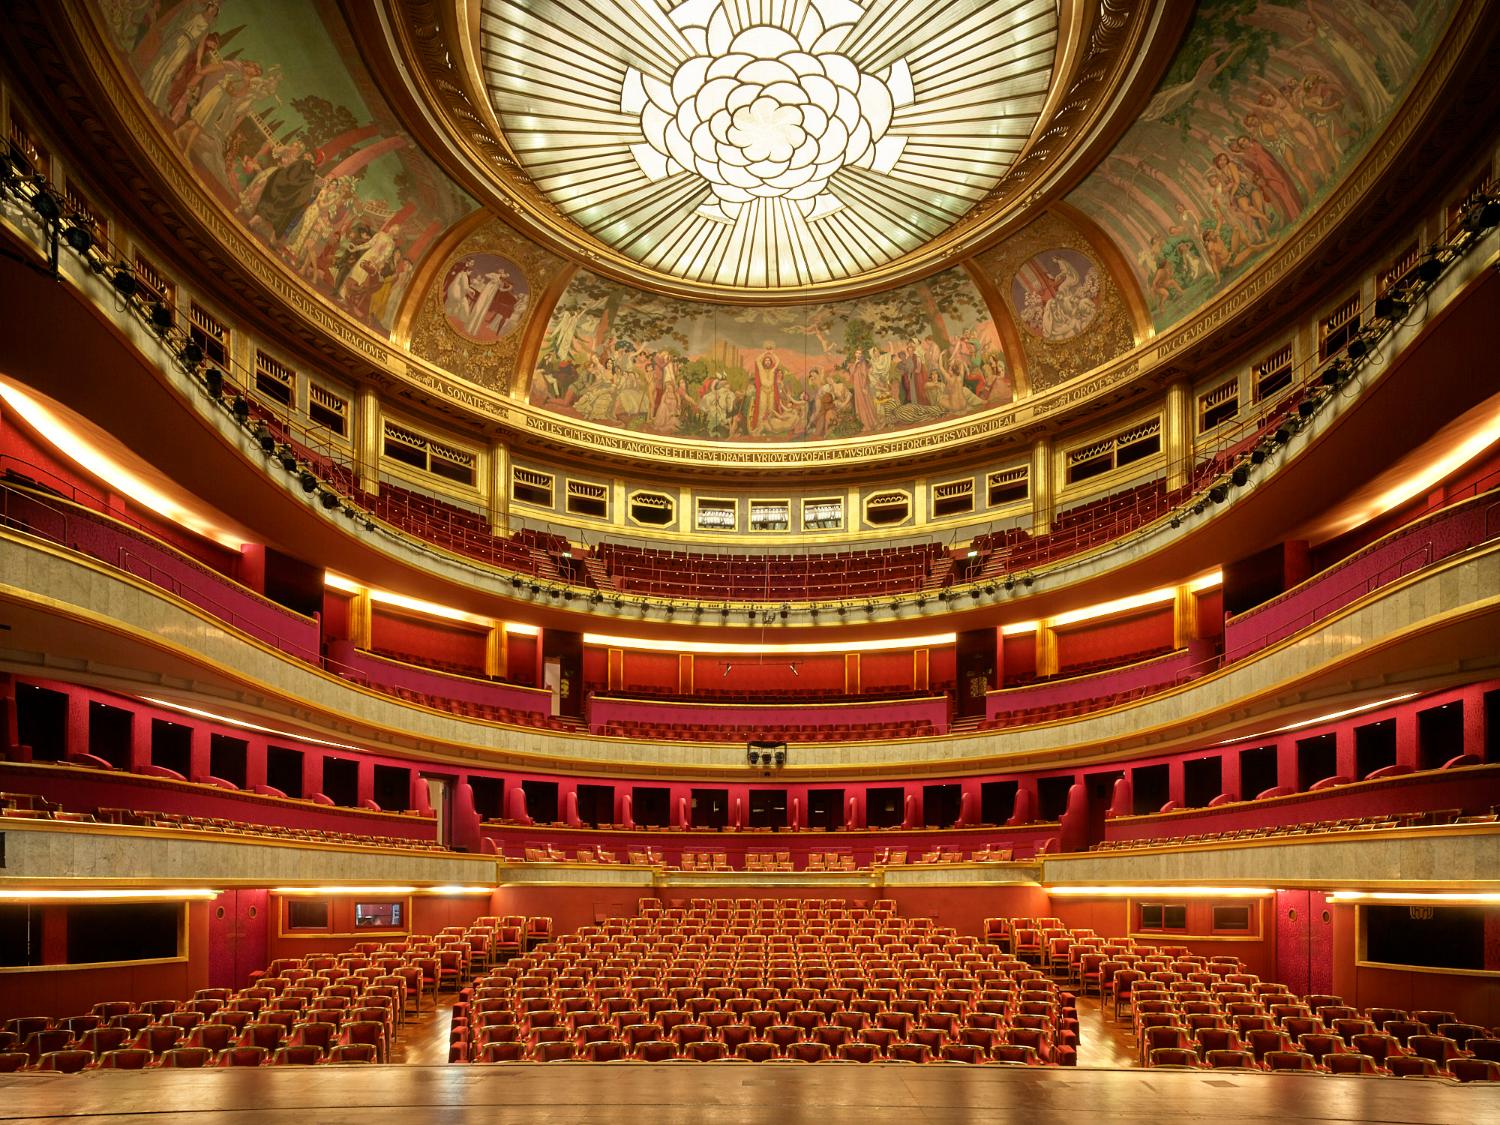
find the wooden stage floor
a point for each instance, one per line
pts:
(731, 1093)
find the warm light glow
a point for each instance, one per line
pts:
(433, 609)
(1455, 898)
(1119, 605)
(243, 725)
(1017, 628)
(1207, 581)
(1121, 891)
(1332, 716)
(648, 644)
(343, 890)
(104, 468)
(1422, 479)
(106, 894)
(456, 889)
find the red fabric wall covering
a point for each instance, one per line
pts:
(944, 668)
(769, 673)
(886, 671)
(595, 669)
(1156, 672)
(1018, 653)
(1211, 612)
(434, 640)
(652, 671)
(71, 992)
(520, 651)
(428, 914)
(388, 674)
(606, 709)
(1115, 639)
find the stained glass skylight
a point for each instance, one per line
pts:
(767, 143)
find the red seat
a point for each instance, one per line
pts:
(126, 1058)
(242, 1056)
(182, 1058)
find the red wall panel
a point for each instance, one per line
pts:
(1115, 640)
(432, 640)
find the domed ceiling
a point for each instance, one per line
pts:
(772, 143)
(760, 222)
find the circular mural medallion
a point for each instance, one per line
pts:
(485, 297)
(1056, 294)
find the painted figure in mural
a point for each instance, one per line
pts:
(1266, 105)
(376, 258)
(183, 43)
(287, 192)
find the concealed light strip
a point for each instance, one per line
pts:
(1121, 891)
(1332, 716)
(1018, 628)
(1454, 898)
(343, 890)
(107, 894)
(243, 725)
(417, 605)
(104, 468)
(649, 644)
(1119, 605)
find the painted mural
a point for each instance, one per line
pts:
(270, 103)
(485, 297)
(621, 357)
(1266, 105)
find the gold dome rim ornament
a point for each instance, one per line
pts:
(1109, 56)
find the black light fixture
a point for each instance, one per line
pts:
(723, 611)
(1010, 582)
(1241, 476)
(619, 602)
(266, 439)
(242, 409)
(1358, 348)
(1482, 214)
(671, 609)
(213, 382)
(191, 353)
(308, 481)
(1200, 507)
(369, 524)
(1282, 435)
(515, 581)
(161, 317)
(1306, 408)
(1388, 307)
(1219, 493)
(843, 610)
(1257, 455)
(990, 588)
(287, 458)
(595, 598)
(124, 281)
(781, 757)
(1176, 521)
(785, 612)
(45, 204)
(78, 237)
(1429, 269)
(536, 587)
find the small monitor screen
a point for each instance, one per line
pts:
(377, 915)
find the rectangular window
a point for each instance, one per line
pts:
(1337, 328)
(587, 499)
(274, 379)
(824, 514)
(1218, 405)
(307, 914)
(1125, 448)
(531, 487)
(955, 498)
(209, 333)
(1273, 374)
(770, 515)
(716, 515)
(154, 286)
(85, 213)
(137, 931)
(1008, 486)
(422, 452)
(377, 915)
(887, 508)
(1397, 269)
(1232, 919)
(23, 143)
(327, 409)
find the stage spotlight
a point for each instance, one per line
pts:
(45, 204)
(1219, 493)
(308, 481)
(242, 409)
(619, 602)
(1027, 579)
(1306, 408)
(595, 598)
(1429, 269)
(1010, 582)
(161, 317)
(191, 354)
(1282, 435)
(1482, 215)
(213, 382)
(785, 612)
(1240, 477)
(267, 442)
(369, 524)
(536, 587)
(990, 588)
(1390, 308)
(124, 281)
(723, 611)
(1176, 521)
(671, 609)
(79, 238)
(781, 757)
(1358, 348)
(1200, 507)
(843, 610)
(1257, 455)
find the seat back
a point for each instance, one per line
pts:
(186, 1058)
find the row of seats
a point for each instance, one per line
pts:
(422, 660)
(486, 712)
(1304, 828)
(769, 980)
(707, 732)
(264, 831)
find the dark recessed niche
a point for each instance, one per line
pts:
(307, 914)
(136, 931)
(227, 758)
(997, 801)
(885, 806)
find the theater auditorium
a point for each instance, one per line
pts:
(750, 560)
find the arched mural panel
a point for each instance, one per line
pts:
(919, 354)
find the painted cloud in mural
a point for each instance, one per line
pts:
(620, 357)
(271, 105)
(1265, 106)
